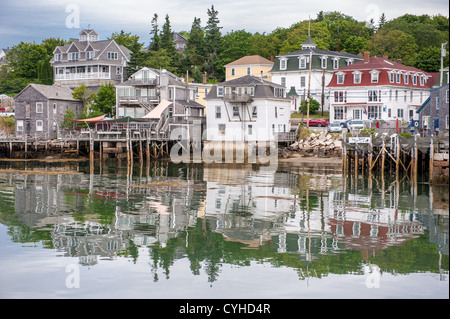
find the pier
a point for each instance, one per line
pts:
(396, 154)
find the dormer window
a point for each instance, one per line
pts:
(422, 80)
(90, 55)
(374, 76)
(283, 64)
(357, 77)
(398, 77)
(392, 77)
(349, 61)
(340, 78)
(220, 91)
(73, 56)
(323, 62)
(406, 78)
(302, 62)
(57, 57)
(336, 63)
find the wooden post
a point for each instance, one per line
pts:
(344, 154)
(383, 155)
(147, 147)
(431, 158)
(91, 147)
(78, 148)
(416, 158)
(26, 146)
(141, 157)
(10, 149)
(356, 161)
(397, 156)
(128, 146)
(370, 157)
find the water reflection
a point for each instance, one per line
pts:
(315, 223)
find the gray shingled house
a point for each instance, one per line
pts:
(90, 61)
(40, 109)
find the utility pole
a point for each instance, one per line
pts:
(323, 89)
(443, 53)
(309, 89)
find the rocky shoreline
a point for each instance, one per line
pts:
(321, 144)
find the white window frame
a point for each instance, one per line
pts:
(90, 55)
(340, 76)
(255, 112)
(118, 70)
(233, 71)
(19, 125)
(218, 112)
(41, 126)
(414, 79)
(392, 77)
(235, 110)
(336, 63)
(283, 64)
(113, 56)
(422, 80)
(39, 107)
(302, 62)
(357, 77)
(302, 81)
(374, 76)
(220, 91)
(339, 112)
(249, 70)
(57, 57)
(73, 56)
(323, 62)
(406, 78)
(398, 77)
(222, 127)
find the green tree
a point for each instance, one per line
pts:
(429, 59)
(355, 45)
(131, 42)
(85, 95)
(23, 60)
(68, 115)
(314, 106)
(235, 45)
(319, 34)
(394, 44)
(160, 59)
(50, 45)
(212, 43)
(45, 73)
(265, 45)
(194, 51)
(105, 99)
(154, 33)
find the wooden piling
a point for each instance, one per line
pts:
(431, 159)
(383, 150)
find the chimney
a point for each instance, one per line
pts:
(399, 61)
(385, 57)
(271, 58)
(366, 57)
(204, 77)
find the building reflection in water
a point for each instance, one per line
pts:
(98, 216)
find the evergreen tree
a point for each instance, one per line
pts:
(382, 21)
(45, 73)
(154, 42)
(212, 43)
(194, 51)
(166, 40)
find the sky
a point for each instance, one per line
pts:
(34, 21)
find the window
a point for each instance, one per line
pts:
(396, 95)
(398, 76)
(390, 95)
(406, 78)
(283, 81)
(340, 78)
(392, 77)
(255, 112)
(220, 91)
(414, 79)
(39, 107)
(113, 56)
(252, 90)
(410, 96)
(19, 125)
(389, 113)
(302, 63)
(235, 111)
(39, 126)
(356, 114)
(404, 96)
(374, 111)
(303, 81)
(374, 77)
(55, 108)
(426, 121)
(349, 61)
(57, 57)
(283, 63)
(338, 112)
(276, 112)
(446, 122)
(335, 63)
(218, 112)
(74, 56)
(374, 95)
(118, 70)
(250, 129)
(411, 114)
(421, 80)
(400, 113)
(340, 96)
(90, 55)
(324, 62)
(249, 69)
(357, 78)
(222, 128)
(233, 71)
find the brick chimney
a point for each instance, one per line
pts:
(399, 61)
(204, 77)
(271, 58)
(366, 57)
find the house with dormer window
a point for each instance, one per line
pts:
(292, 71)
(90, 61)
(378, 89)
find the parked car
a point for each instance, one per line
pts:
(7, 114)
(334, 128)
(356, 125)
(316, 122)
(344, 124)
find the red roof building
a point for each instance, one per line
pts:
(377, 88)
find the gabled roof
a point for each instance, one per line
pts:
(52, 92)
(250, 60)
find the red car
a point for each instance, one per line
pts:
(316, 122)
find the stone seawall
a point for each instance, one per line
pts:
(320, 144)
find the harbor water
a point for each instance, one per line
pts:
(165, 230)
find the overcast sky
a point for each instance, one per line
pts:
(36, 20)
